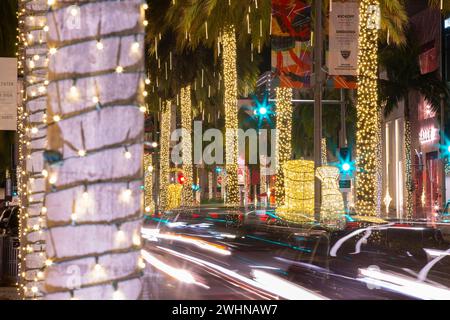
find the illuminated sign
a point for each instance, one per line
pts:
(447, 23)
(427, 135)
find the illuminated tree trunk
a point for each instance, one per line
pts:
(187, 199)
(408, 166)
(367, 137)
(95, 151)
(284, 139)
(33, 132)
(149, 204)
(164, 164)
(231, 115)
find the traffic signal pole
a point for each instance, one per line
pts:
(318, 74)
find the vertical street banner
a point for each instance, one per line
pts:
(291, 43)
(429, 41)
(343, 38)
(342, 44)
(8, 94)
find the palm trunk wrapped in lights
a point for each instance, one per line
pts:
(367, 138)
(231, 114)
(149, 204)
(95, 151)
(164, 164)
(187, 198)
(408, 168)
(32, 142)
(284, 139)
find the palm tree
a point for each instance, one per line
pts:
(95, 152)
(194, 67)
(392, 21)
(404, 76)
(213, 22)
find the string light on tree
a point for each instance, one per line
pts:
(367, 109)
(284, 139)
(187, 199)
(231, 110)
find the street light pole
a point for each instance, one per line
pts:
(318, 46)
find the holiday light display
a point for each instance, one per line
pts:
(408, 170)
(32, 57)
(149, 204)
(367, 138)
(174, 191)
(187, 199)
(299, 191)
(284, 139)
(231, 118)
(164, 164)
(332, 204)
(94, 176)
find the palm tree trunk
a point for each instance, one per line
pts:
(95, 128)
(367, 137)
(408, 167)
(33, 183)
(284, 141)
(187, 198)
(231, 115)
(164, 164)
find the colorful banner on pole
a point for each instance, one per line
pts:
(291, 47)
(8, 94)
(292, 53)
(343, 43)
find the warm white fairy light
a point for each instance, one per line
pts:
(82, 153)
(187, 199)
(284, 138)
(231, 119)
(99, 45)
(135, 47)
(367, 111)
(53, 179)
(119, 69)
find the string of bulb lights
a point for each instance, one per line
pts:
(367, 110)
(284, 139)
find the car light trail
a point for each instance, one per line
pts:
(273, 287)
(179, 274)
(341, 241)
(202, 244)
(404, 285)
(423, 274)
(284, 288)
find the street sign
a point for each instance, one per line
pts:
(345, 184)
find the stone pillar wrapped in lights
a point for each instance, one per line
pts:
(95, 150)
(299, 191)
(32, 130)
(284, 139)
(187, 198)
(367, 137)
(231, 115)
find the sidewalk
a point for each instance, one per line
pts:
(8, 293)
